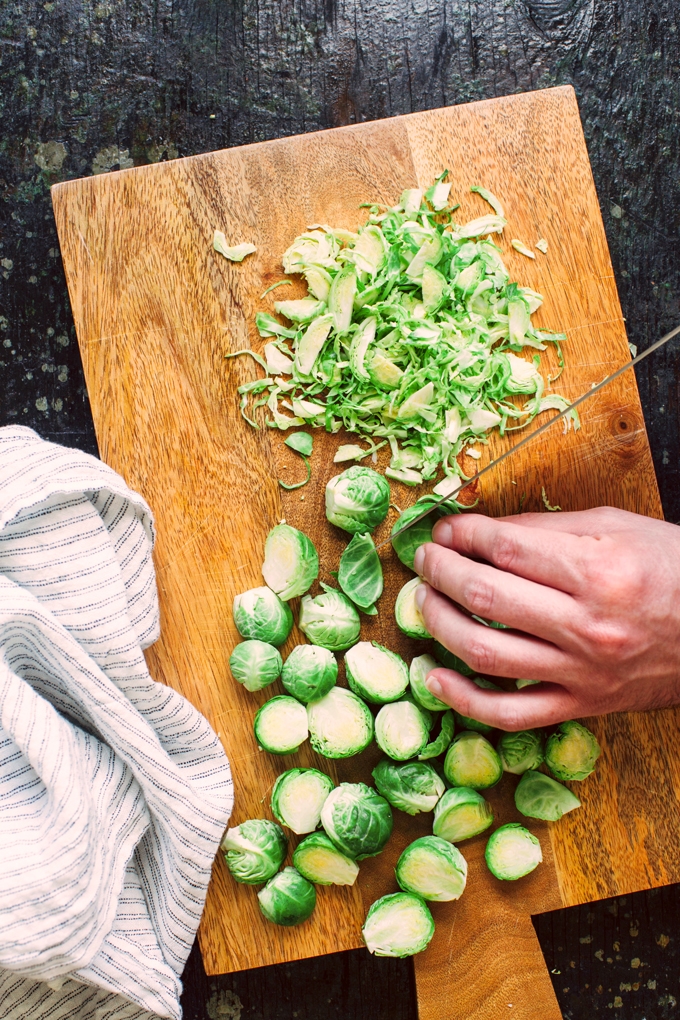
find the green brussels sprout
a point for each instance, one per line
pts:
(360, 573)
(407, 542)
(441, 741)
(461, 814)
(409, 618)
(571, 753)
(330, 620)
(433, 868)
(281, 725)
(472, 761)
(340, 724)
(319, 860)
(512, 852)
(287, 898)
(398, 925)
(375, 673)
(357, 819)
(357, 500)
(401, 729)
(255, 664)
(450, 661)
(298, 796)
(254, 850)
(420, 669)
(539, 796)
(291, 562)
(520, 751)
(259, 614)
(309, 672)
(412, 786)
(465, 722)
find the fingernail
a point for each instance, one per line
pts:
(419, 559)
(433, 686)
(419, 596)
(443, 533)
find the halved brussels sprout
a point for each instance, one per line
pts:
(472, 761)
(309, 672)
(330, 620)
(512, 852)
(539, 796)
(407, 542)
(298, 796)
(465, 722)
(319, 860)
(433, 868)
(287, 898)
(255, 664)
(441, 741)
(461, 814)
(375, 673)
(360, 573)
(412, 786)
(254, 850)
(409, 618)
(520, 751)
(450, 661)
(281, 725)
(259, 614)
(401, 729)
(291, 562)
(420, 668)
(357, 819)
(340, 724)
(357, 500)
(398, 925)
(571, 753)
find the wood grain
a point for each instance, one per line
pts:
(156, 312)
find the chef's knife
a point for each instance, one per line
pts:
(536, 433)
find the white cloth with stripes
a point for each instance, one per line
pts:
(114, 790)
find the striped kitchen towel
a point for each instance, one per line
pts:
(114, 790)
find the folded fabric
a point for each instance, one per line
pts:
(114, 790)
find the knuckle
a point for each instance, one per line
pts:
(608, 642)
(478, 595)
(504, 551)
(480, 657)
(511, 717)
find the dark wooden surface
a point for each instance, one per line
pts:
(91, 86)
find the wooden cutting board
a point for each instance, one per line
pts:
(156, 312)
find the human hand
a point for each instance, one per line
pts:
(593, 600)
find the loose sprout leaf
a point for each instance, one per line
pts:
(546, 504)
(301, 442)
(360, 572)
(522, 248)
(491, 199)
(290, 486)
(442, 740)
(235, 253)
(542, 245)
(279, 283)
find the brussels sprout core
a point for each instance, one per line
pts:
(340, 724)
(571, 753)
(539, 796)
(309, 672)
(432, 868)
(281, 725)
(357, 500)
(472, 761)
(319, 860)
(255, 664)
(419, 670)
(259, 614)
(461, 814)
(290, 561)
(412, 787)
(512, 852)
(298, 796)
(287, 898)
(520, 751)
(409, 618)
(374, 673)
(254, 850)
(401, 730)
(357, 819)
(330, 620)
(398, 925)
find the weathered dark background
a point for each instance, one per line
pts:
(89, 87)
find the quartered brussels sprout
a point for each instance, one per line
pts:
(571, 753)
(318, 859)
(255, 664)
(340, 724)
(398, 925)
(433, 868)
(512, 852)
(259, 614)
(449, 660)
(411, 787)
(420, 669)
(357, 500)
(360, 573)
(281, 725)
(330, 620)
(401, 729)
(441, 741)
(461, 814)
(472, 761)
(298, 796)
(375, 673)
(309, 672)
(465, 722)
(520, 751)
(290, 563)
(357, 819)
(409, 618)
(287, 898)
(539, 796)
(254, 850)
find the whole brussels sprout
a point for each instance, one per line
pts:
(421, 667)
(287, 898)
(433, 868)
(309, 672)
(374, 673)
(520, 751)
(291, 562)
(410, 786)
(571, 753)
(512, 852)
(461, 814)
(319, 860)
(330, 620)
(398, 925)
(539, 796)
(357, 500)
(255, 664)
(298, 796)
(360, 573)
(401, 729)
(281, 725)
(357, 819)
(407, 614)
(259, 614)
(254, 850)
(472, 761)
(340, 724)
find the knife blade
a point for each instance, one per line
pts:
(536, 433)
